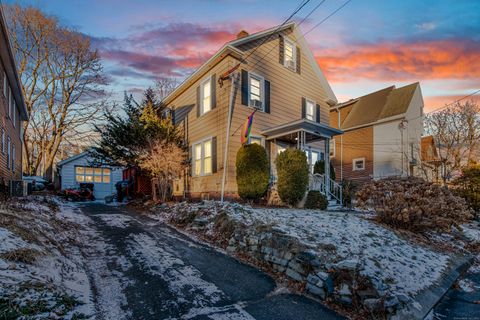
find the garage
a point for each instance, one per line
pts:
(80, 169)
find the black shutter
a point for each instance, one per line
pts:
(318, 113)
(299, 59)
(190, 160)
(214, 154)
(281, 50)
(267, 96)
(198, 101)
(213, 91)
(304, 106)
(244, 88)
(267, 148)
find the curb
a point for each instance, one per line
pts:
(428, 298)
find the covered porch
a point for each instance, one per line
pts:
(313, 138)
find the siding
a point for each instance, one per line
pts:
(286, 91)
(11, 131)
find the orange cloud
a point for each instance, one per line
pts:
(436, 102)
(399, 61)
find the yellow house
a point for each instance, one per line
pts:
(273, 72)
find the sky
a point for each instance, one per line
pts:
(364, 47)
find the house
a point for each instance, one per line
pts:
(278, 76)
(12, 112)
(382, 133)
(82, 169)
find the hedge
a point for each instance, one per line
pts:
(253, 172)
(292, 171)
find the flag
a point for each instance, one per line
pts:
(247, 127)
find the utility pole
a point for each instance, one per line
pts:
(234, 77)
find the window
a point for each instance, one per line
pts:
(10, 98)
(90, 174)
(5, 84)
(13, 158)
(312, 158)
(332, 148)
(310, 110)
(256, 84)
(358, 164)
(206, 98)
(255, 139)
(9, 153)
(290, 54)
(202, 157)
(14, 114)
(3, 141)
(280, 149)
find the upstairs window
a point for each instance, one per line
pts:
(310, 110)
(290, 54)
(256, 85)
(206, 96)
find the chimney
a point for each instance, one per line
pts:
(242, 34)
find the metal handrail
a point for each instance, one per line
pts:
(318, 182)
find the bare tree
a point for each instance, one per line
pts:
(62, 81)
(457, 133)
(165, 161)
(165, 85)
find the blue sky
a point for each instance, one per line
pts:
(366, 46)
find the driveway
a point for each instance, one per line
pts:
(143, 269)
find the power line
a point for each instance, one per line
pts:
(328, 17)
(452, 103)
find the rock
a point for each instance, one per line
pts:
(232, 241)
(344, 290)
(367, 293)
(299, 268)
(313, 279)
(350, 264)
(288, 255)
(294, 275)
(231, 249)
(391, 302)
(318, 291)
(345, 299)
(373, 304)
(322, 275)
(403, 298)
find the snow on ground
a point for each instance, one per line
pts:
(116, 220)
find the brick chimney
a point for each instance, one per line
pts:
(242, 34)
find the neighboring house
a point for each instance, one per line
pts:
(431, 163)
(382, 132)
(12, 112)
(79, 169)
(280, 78)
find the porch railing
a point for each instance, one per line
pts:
(318, 182)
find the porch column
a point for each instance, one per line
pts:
(327, 166)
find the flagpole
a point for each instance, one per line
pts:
(234, 79)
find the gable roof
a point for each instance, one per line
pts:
(379, 105)
(72, 158)
(232, 48)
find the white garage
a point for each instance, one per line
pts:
(79, 169)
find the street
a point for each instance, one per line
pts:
(143, 269)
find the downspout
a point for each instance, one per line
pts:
(341, 146)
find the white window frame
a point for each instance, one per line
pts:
(354, 167)
(262, 141)
(287, 41)
(93, 175)
(10, 98)
(309, 152)
(202, 172)
(9, 152)
(13, 157)
(202, 96)
(262, 89)
(313, 103)
(332, 148)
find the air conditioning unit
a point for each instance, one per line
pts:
(290, 64)
(257, 104)
(18, 188)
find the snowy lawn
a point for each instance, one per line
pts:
(41, 273)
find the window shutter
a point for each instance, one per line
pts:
(267, 148)
(267, 96)
(299, 59)
(281, 50)
(190, 160)
(198, 101)
(213, 87)
(304, 106)
(214, 154)
(318, 113)
(244, 88)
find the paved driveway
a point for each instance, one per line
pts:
(142, 269)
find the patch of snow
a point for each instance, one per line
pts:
(467, 285)
(116, 220)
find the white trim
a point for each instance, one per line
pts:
(333, 148)
(262, 140)
(202, 84)
(260, 34)
(262, 89)
(354, 167)
(202, 157)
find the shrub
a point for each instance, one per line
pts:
(413, 204)
(292, 170)
(316, 200)
(348, 191)
(253, 171)
(467, 186)
(319, 168)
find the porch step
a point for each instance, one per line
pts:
(333, 205)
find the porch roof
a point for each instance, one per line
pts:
(314, 130)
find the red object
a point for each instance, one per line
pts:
(79, 194)
(142, 184)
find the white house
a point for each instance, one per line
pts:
(79, 168)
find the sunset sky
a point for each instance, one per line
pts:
(366, 46)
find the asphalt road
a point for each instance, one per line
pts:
(142, 269)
